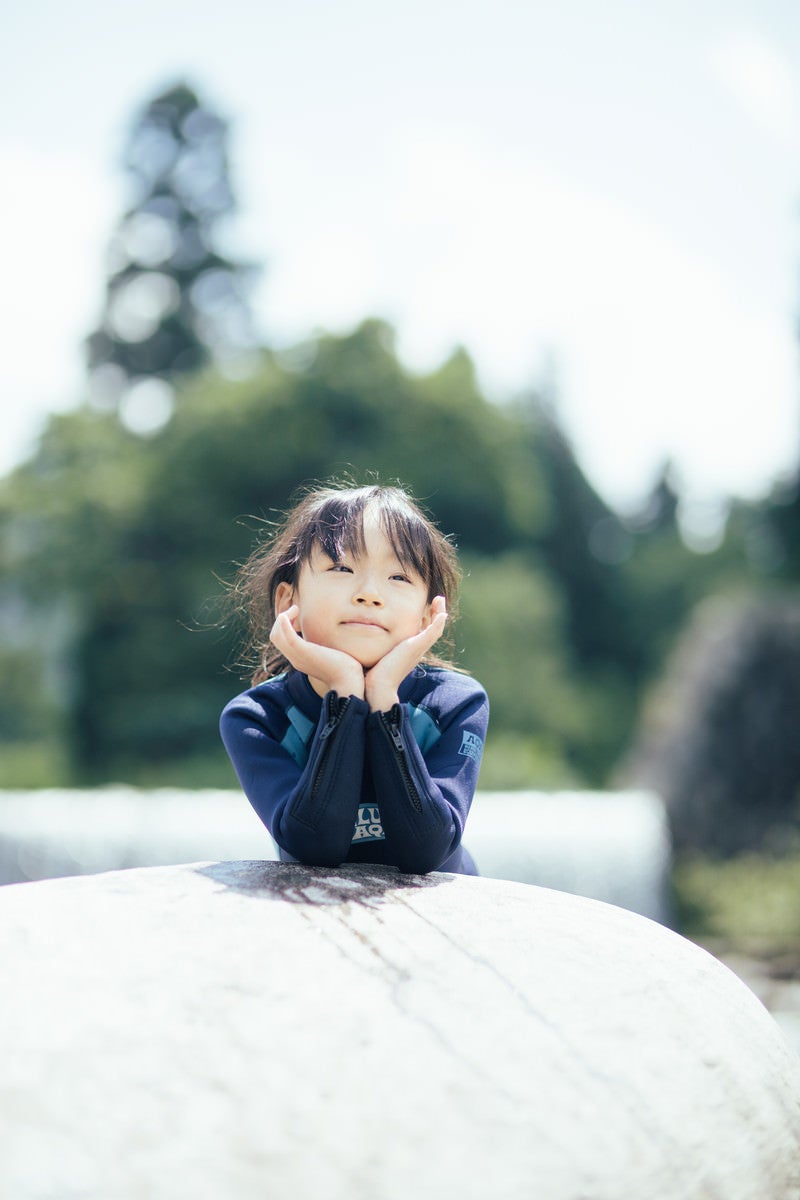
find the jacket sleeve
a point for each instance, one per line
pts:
(310, 811)
(425, 799)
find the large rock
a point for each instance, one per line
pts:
(258, 1030)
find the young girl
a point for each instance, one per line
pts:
(356, 743)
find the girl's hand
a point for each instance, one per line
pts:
(328, 670)
(383, 680)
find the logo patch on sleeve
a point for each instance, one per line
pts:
(471, 745)
(368, 826)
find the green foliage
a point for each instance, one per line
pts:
(511, 637)
(200, 769)
(129, 536)
(34, 764)
(666, 581)
(583, 544)
(750, 903)
(118, 546)
(65, 513)
(23, 711)
(242, 449)
(513, 762)
(775, 532)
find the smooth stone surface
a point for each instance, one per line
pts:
(611, 846)
(257, 1029)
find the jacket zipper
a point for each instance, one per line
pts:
(335, 708)
(389, 723)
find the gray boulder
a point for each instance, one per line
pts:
(258, 1030)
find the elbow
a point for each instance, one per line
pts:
(310, 849)
(419, 864)
(313, 856)
(427, 856)
(319, 859)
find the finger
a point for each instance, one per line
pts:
(436, 627)
(420, 642)
(283, 631)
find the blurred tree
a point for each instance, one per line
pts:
(130, 541)
(351, 407)
(774, 534)
(129, 544)
(669, 578)
(64, 520)
(511, 637)
(584, 545)
(665, 578)
(719, 734)
(173, 298)
(659, 513)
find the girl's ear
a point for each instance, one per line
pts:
(284, 598)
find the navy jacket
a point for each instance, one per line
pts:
(335, 783)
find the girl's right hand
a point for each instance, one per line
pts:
(328, 670)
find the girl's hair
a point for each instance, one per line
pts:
(331, 518)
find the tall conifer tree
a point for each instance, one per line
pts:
(173, 299)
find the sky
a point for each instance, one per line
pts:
(600, 201)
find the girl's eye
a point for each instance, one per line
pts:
(402, 578)
(341, 567)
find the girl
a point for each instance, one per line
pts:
(356, 743)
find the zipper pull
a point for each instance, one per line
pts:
(391, 723)
(335, 707)
(392, 726)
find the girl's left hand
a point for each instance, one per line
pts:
(382, 681)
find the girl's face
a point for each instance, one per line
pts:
(363, 605)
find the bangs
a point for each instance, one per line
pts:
(336, 527)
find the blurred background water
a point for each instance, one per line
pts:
(612, 847)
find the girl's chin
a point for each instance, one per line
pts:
(366, 662)
(363, 657)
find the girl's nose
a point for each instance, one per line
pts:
(367, 593)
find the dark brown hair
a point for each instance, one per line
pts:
(331, 517)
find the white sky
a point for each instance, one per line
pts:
(606, 194)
